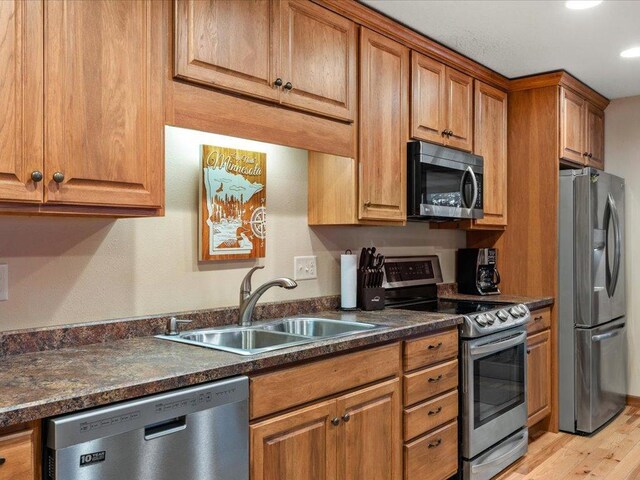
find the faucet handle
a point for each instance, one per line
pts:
(245, 288)
(172, 327)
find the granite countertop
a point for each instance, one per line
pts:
(42, 384)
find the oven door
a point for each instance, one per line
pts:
(494, 371)
(444, 188)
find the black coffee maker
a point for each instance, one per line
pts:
(478, 271)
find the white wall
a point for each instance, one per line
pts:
(67, 270)
(622, 154)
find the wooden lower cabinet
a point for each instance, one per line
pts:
(18, 456)
(539, 376)
(355, 436)
(434, 456)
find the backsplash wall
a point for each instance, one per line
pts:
(70, 270)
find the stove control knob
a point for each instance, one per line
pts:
(481, 320)
(503, 315)
(491, 318)
(515, 312)
(523, 310)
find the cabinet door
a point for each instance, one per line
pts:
(384, 125)
(18, 452)
(370, 436)
(595, 136)
(572, 127)
(491, 143)
(539, 376)
(297, 445)
(228, 44)
(21, 97)
(318, 60)
(104, 103)
(459, 89)
(428, 95)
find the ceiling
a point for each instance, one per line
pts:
(524, 37)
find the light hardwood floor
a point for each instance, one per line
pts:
(611, 454)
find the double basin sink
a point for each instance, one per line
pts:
(287, 332)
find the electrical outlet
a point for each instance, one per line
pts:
(304, 268)
(4, 282)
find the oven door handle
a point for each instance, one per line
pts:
(492, 347)
(521, 445)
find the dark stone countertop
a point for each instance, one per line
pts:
(42, 384)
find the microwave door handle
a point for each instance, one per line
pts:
(497, 276)
(463, 203)
(493, 347)
(474, 180)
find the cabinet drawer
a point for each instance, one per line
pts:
(540, 320)
(289, 387)
(430, 382)
(425, 351)
(434, 456)
(17, 450)
(429, 415)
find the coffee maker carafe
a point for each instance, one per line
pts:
(478, 271)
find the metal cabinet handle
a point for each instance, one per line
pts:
(450, 133)
(444, 133)
(528, 351)
(537, 319)
(36, 176)
(2, 460)
(278, 82)
(367, 204)
(58, 177)
(435, 379)
(585, 154)
(435, 412)
(288, 86)
(346, 417)
(436, 443)
(433, 347)
(590, 155)
(335, 421)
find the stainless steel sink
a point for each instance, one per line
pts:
(287, 332)
(318, 327)
(243, 341)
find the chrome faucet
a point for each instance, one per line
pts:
(248, 299)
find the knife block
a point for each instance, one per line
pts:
(369, 298)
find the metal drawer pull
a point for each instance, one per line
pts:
(436, 379)
(537, 319)
(436, 443)
(2, 460)
(346, 417)
(335, 422)
(435, 412)
(433, 347)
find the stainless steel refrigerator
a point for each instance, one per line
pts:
(591, 303)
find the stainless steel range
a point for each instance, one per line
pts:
(493, 366)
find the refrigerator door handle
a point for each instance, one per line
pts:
(611, 218)
(610, 334)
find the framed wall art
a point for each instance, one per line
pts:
(233, 194)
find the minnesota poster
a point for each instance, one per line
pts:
(232, 204)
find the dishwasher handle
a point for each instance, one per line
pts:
(163, 429)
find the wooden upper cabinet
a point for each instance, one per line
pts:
(293, 52)
(594, 136)
(228, 44)
(318, 60)
(104, 103)
(296, 445)
(491, 143)
(21, 97)
(428, 99)
(441, 103)
(384, 127)
(369, 440)
(572, 126)
(459, 89)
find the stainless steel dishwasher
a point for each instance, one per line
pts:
(195, 433)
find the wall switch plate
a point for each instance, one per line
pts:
(4, 282)
(304, 268)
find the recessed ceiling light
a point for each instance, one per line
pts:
(582, 4)
(631, 52)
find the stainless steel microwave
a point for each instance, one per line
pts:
(443, 184)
